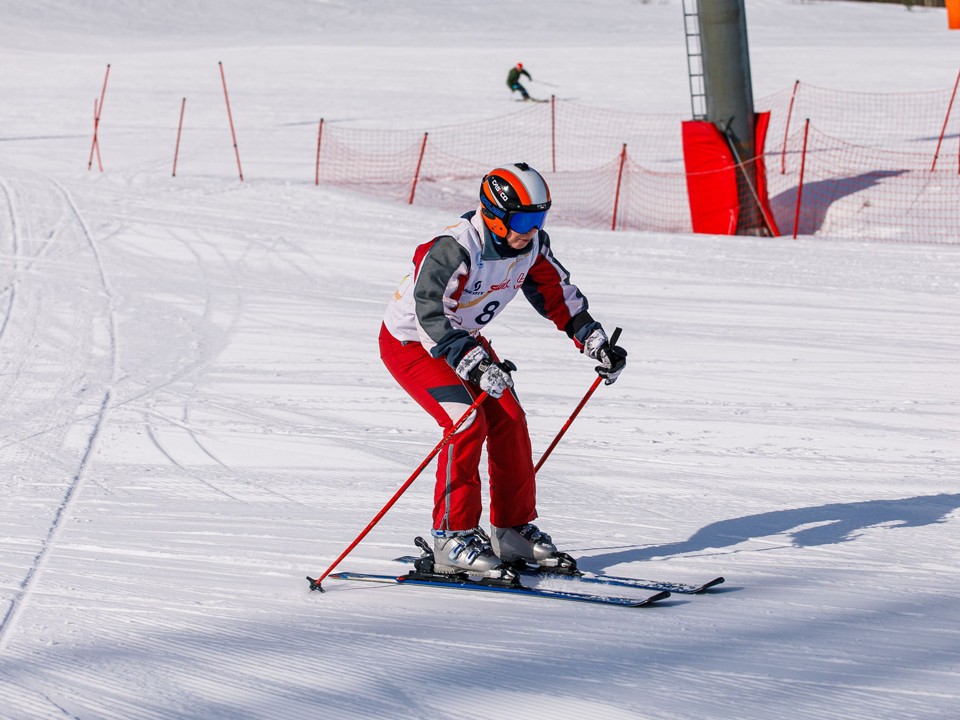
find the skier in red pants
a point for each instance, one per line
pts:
(431, 343)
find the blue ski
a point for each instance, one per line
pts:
(612, 580)
(459, 584)
(672, 587)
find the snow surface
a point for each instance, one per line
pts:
(194, 415)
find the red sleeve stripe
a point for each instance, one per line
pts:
(554, 296)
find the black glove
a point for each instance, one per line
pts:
(479, 368)
(612, 357)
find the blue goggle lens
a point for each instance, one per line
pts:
(523, 222)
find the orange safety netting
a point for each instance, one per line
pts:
(613, 169)
(863, 192)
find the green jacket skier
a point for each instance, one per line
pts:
(513, 80)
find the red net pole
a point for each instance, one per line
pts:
(233, 132)
(945, 121)
(786, 130)
(176, 150)
(319, 138)
(616, 197)
(96, 142)
(803, 164)
(96, 120)
(553, 131)
(416, 174)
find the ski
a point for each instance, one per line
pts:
(611, 580)
(459, 582)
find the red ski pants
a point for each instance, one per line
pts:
(457, 503)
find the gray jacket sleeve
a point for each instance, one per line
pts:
(441, 273)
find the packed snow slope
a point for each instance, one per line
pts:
(194, 417)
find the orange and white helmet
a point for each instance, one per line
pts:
(514, 197)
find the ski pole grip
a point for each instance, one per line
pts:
(615, 336)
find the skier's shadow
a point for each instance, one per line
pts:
(832, 524)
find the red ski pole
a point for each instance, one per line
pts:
(315, 584)
(563, 430)
(95, 146)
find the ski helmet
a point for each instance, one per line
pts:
(513, 197)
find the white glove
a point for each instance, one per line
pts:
(479, 368)
(613, 358)
(595, 340)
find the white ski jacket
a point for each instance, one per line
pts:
(458, 282)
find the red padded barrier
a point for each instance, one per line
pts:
(711, 179)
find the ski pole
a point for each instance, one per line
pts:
(315, 584)
(544, 82)
(563, 430)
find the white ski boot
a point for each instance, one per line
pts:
(526, 543)
(464, 551)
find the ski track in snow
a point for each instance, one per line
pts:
(35, 568)
(12, 231)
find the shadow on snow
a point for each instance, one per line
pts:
(834, 523)
(820, 196)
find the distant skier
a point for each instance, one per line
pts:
(431, 343)
(513, 80)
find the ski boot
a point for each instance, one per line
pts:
(527, 547)
(462, 555)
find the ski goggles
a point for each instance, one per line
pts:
(524, 222)
(520, 221)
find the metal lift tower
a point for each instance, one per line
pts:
(721, 90)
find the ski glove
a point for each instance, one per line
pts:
(479, 368)
(613, 358)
